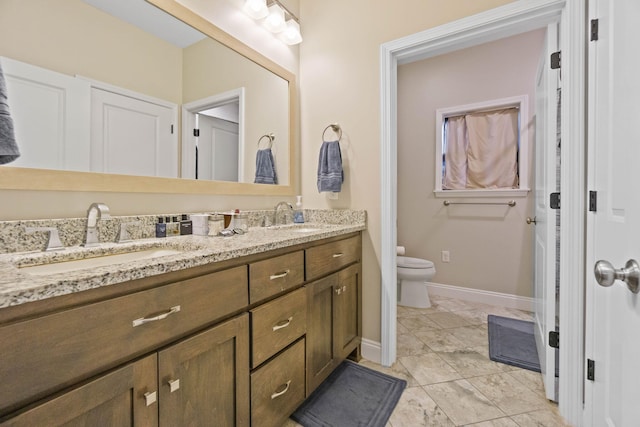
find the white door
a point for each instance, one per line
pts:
(217, 149)
(545, 225)
(50, 112)
(132, 136)
(613, 313)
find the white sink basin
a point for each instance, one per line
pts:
(99, 261)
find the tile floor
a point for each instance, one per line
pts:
(443, 355)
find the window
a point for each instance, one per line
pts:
(482, 150)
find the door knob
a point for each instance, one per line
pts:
(606, 275)
(531, 220)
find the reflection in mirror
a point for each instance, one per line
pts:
(120, 88)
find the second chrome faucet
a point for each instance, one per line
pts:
(95, 212)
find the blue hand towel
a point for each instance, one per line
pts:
(330, 173)
(8, 147)
(265, 167)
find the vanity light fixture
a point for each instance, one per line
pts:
(276, 18)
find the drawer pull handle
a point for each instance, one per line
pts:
(283, 391)
(150, 398)
(174, 385)
(338, 255)
(143, 320)
(282, 324)
(279, 275)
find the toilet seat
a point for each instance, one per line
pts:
(408, 262)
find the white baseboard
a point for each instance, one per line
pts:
(481, 296)
(371, 350)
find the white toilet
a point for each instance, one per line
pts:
(413, 275)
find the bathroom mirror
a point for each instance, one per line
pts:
(45, 21)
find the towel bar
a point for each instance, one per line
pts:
(510, 203)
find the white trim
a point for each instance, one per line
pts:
(573, 38)
(510, 19)
(482, 296)
(370, 350)
(107, 87)
(521, 102)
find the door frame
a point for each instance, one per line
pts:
(189, 112)
(508, 20)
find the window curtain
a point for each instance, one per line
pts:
(488, 156)
(455, 169)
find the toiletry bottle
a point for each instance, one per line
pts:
(186, 225)
(161, 228)
(298, 214)
(173, 228)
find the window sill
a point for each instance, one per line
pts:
(511, 193)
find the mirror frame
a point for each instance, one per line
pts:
(16, 178)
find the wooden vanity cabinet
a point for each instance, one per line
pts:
(334, 311)
(241, 343)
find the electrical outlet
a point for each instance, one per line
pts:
(446, 256)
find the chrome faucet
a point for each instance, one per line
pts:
(94, 213)
(277, 208)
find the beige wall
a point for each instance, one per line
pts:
(490, 246)
(339, 80)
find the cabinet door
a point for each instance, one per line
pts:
(124, 397)
(348, 311)
(321, 357)
(204, 380)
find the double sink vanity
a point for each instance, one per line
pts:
(190, 330)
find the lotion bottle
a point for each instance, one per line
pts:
(298, 213)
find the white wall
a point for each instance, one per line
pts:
(490, 246)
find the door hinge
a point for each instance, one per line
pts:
(554, 339)
(196, 132)
(593, 201)
(171, 129)
(554, 200)
(555, 60)
(591, 370)
(594, 30)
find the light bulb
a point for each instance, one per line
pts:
(275, 21)
(257, 9)
(291, 35)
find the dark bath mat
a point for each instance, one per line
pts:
(352, 395)
(511, 341)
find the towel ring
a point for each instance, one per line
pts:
(334, 127)
(271, 138)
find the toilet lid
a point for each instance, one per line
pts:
(408, 262)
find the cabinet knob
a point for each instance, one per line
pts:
(174, 385)
(150, 398)
(338, 290)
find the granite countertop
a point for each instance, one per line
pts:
(18, 286)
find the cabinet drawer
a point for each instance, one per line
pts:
(274, 275)
(51, 352)
(277, 324)
(324, 259)
(277, 388)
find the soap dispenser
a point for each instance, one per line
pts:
(298, 214)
